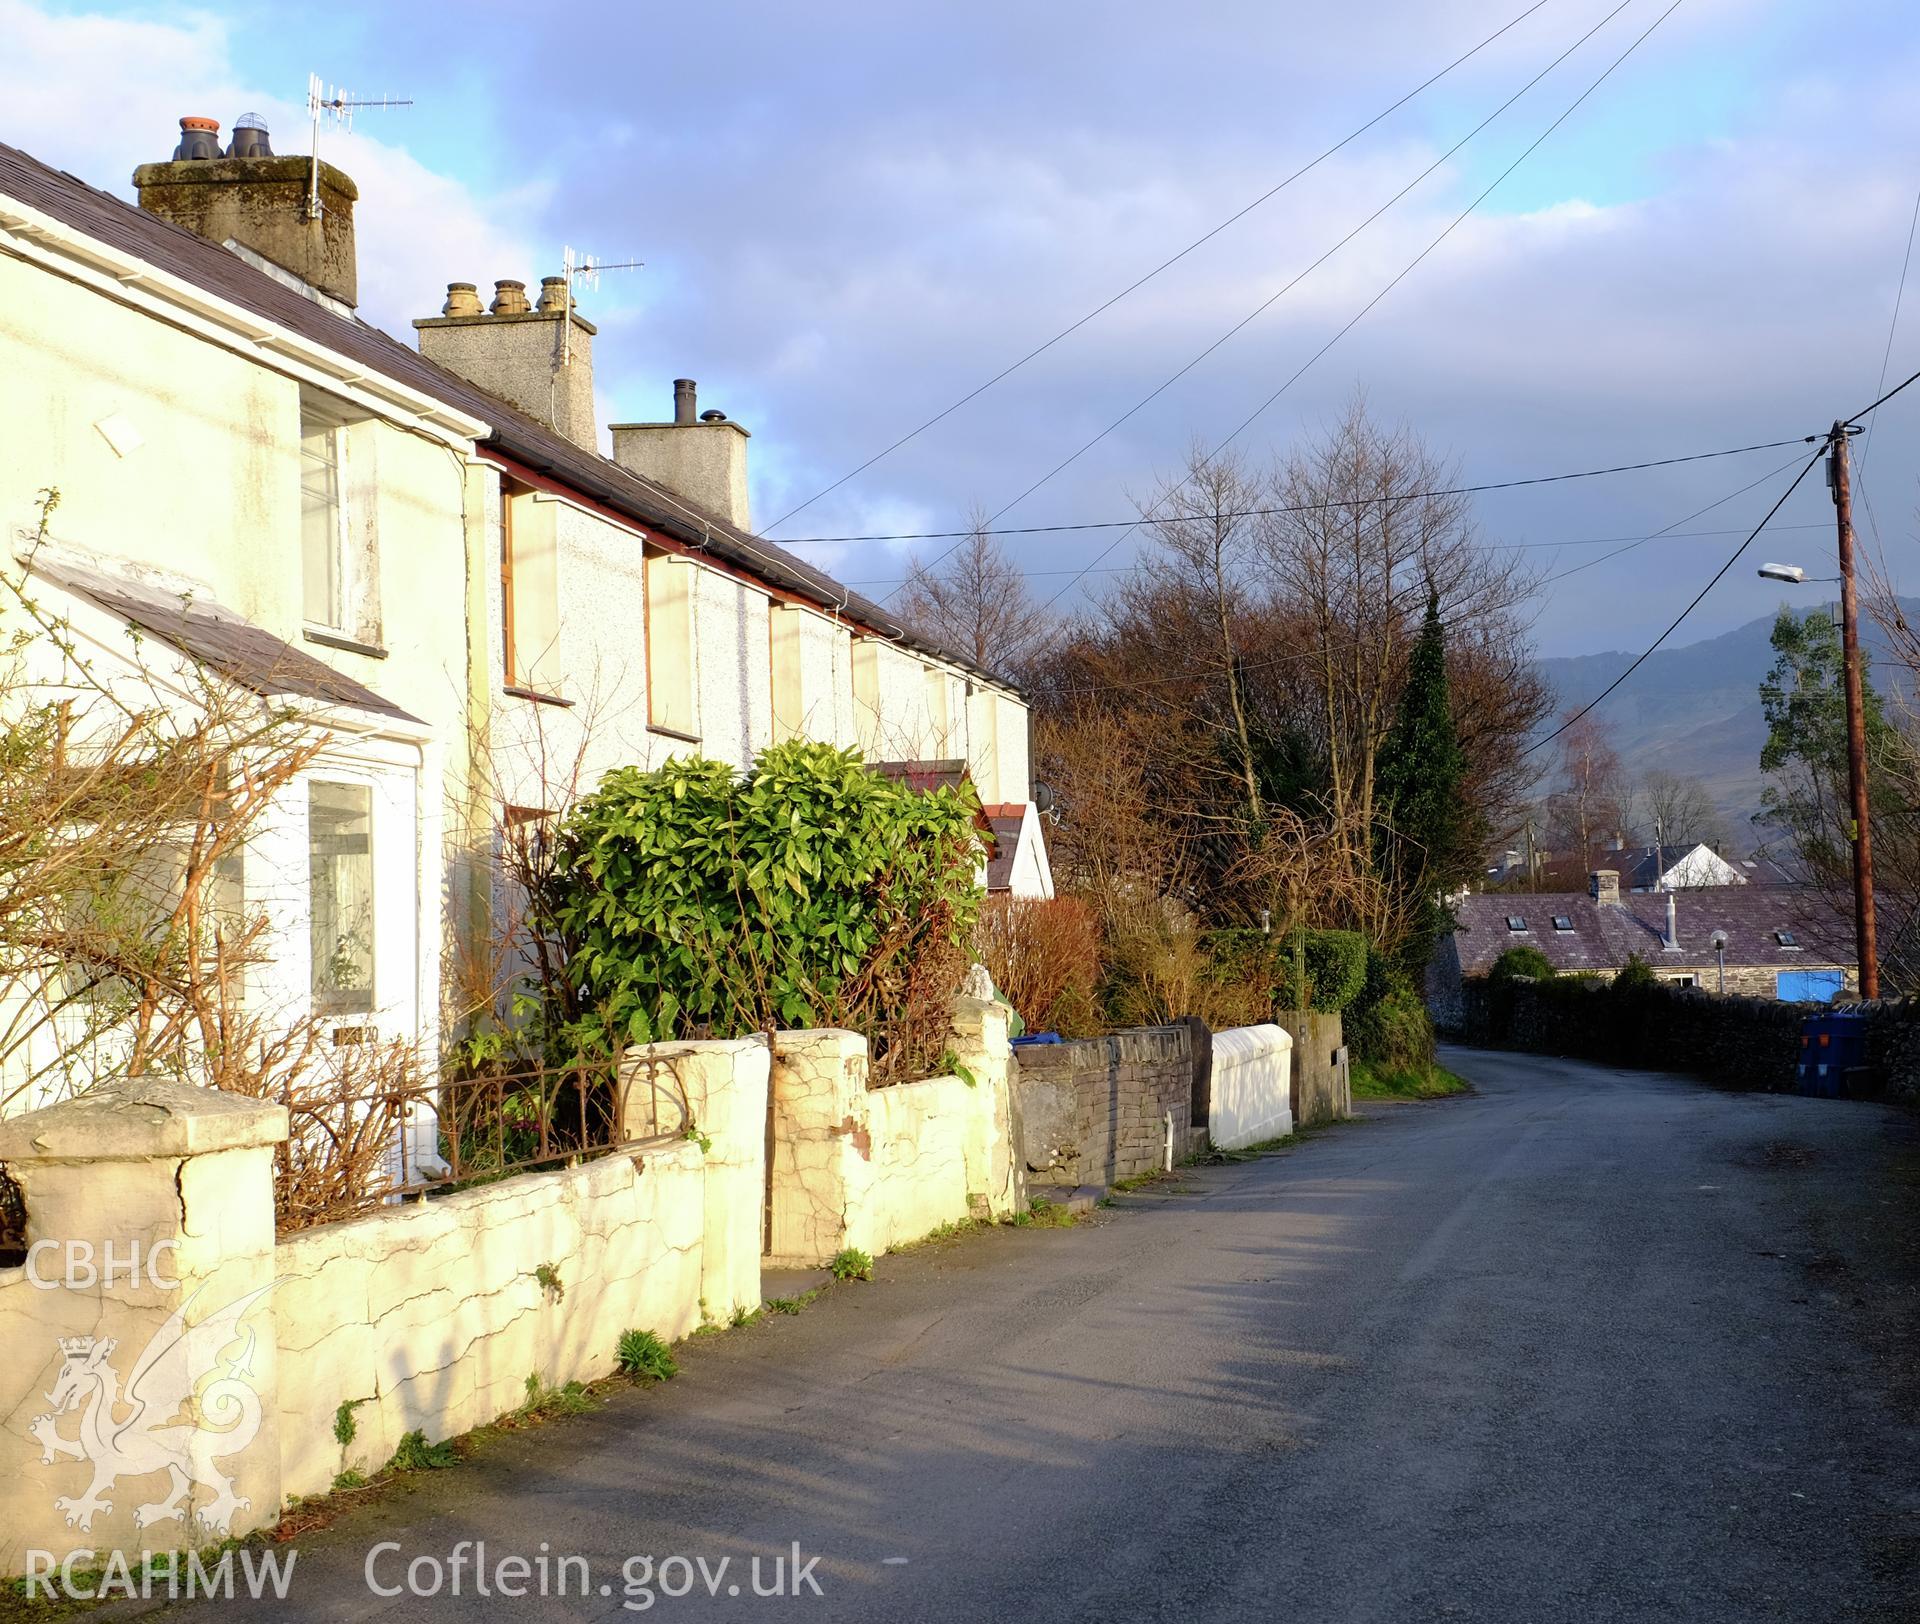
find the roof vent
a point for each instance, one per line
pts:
(250, 138)
(199, 138)
(713, 414)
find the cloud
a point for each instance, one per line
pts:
(851, 216)
(97, 94)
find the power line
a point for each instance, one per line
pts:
(1287, 287)
(1693, 604)
(1594, 563)
(1165, 264)
(1299, 507)
(1498, 546)
(1886, 356)
(1498, 180)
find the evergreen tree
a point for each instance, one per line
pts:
(1427, 841)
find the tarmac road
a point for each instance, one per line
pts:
(1587, 1344)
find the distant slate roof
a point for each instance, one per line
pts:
(1601, 937)
(222, 641)
(209, 266)
(1641, 866)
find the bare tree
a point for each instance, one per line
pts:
(1677, 810)
(1590, 801)
(976, 601)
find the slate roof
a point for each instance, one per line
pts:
(1602, 937)
(1005, 819)
(222, 641)
(1643, 865)
(209, 266)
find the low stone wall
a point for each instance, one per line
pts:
(423, 1316)
(1322, 1090)
(1250, 1094)
(873, 1168)
(1742, 1042)
(1096, 1110)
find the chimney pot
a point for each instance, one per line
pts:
(463, 299)
(250, 138)
(684, 401)
(553, 295)
(1673, 924)
(199, 138)
(510, 299)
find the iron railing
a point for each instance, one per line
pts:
(349, 1153)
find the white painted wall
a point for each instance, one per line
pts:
(1249, 1101)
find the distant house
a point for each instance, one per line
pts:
(1669, 868)
(1016, 847)
(1781, 942)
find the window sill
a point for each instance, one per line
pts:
(537, 697)
(673, 733)
(340, 640)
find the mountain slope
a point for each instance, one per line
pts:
(1693, 710)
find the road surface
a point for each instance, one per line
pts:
(1587, 1344)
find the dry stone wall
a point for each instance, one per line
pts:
(1096, 1110)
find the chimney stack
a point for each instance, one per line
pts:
(1603, 885)
(701, 456)
(520, 352)
(257, 204)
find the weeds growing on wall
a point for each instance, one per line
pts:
(812, 892)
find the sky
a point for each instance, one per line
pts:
(851, 215)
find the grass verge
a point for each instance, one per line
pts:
(1429, 1081)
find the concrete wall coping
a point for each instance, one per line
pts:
(639, 1053)
(1240, 1043)
(142, 1120)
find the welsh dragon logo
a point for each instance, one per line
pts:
(183, 1408)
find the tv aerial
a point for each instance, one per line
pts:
(336, 107)
(579, 268)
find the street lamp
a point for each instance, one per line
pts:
(1864, 926)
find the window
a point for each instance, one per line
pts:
(1685, 981)
(530, 591)
(672, 699)
(1562, 922)
(340, 877)
(784, 634)
(339, 582)
(323, 540)
(1785, 938)
(939, 711)
(1516, 923)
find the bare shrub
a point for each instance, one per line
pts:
(1045, 956)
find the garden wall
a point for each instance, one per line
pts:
(1095, 1110)
(1250, 1089)
(1322, 1090)
(869, 1169)
(423, 1316)
(1742, 1042)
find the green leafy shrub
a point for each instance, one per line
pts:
(1634, 975)
(1334, 962)
(851, 1264)
(1388, 1022)
(1521, 961)
(812, 892)
(645, 1357)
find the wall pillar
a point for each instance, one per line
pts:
(996, 1176)
(145, 1302)
(722, 1087)
(821, 1145)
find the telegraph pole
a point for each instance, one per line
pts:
(1863, 921)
